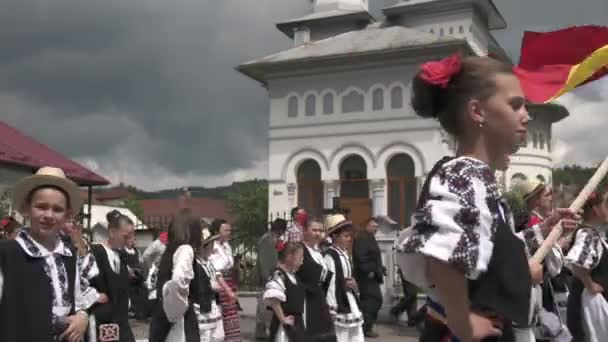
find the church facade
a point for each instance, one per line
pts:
(341, 127)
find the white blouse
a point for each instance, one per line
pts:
(113, 258)
(587, 249)
(275, 287)
(221, 258)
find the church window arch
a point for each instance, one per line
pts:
(397, 97)
(378, 99)
(292, 106)
(310, 105)
(353, 101)
(328, 103)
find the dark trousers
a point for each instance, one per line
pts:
(371, 301)
(435, 331)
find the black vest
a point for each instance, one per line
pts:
(293, 306)
(26, 306)
(310, 274)
(340, 286)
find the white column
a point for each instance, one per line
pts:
(331, 191)
(291, 195)
(378, 187)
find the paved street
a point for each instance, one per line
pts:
(388, 332)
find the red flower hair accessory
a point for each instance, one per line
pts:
(5, 221)
(439, 73)
(280, 245)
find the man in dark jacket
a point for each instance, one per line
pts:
(369, 274)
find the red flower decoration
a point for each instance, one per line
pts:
(439, 73)
(4, 222)
(280, 245)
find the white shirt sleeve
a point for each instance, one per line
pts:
(86, 295)
(586, 250)
(176, 290)
(331, 291)
(275, 289)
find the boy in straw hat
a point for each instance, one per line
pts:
(39, 283)
(341, 294)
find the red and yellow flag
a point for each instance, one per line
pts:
(554, 63)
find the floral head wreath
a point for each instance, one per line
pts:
(439, 73)
(279, 246)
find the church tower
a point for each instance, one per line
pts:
(328, 18)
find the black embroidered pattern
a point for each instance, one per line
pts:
(458, 177)
(590, 243)
(62, 275)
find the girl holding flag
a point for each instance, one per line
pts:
(463, 230)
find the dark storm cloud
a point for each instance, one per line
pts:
(99, 70)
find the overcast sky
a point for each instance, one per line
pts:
(145, 92)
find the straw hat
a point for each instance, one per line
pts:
(529, 188)
(335, 222)
(207, 238)
(47, 176)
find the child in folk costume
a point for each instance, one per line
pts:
(462, 249)
(210, 321)
(40, 287)
(185, 294)
(341, 294)
(223, 262)
(285, 295)
(588, 260)
(112, 318)
(316, 277)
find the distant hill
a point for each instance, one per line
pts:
(196, 191)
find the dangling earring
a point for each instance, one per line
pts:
(481, 125)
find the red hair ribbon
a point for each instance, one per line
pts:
(4, 222)
(439, 73)
(280, 245)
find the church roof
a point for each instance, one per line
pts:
(324, 16)
(375, 38)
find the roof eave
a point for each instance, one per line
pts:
(260, 70)
(495, 19)
(554, 112)
(288, 26)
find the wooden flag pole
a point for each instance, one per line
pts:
(577, 205)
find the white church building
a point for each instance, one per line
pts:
(341, 125)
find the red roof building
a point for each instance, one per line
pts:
(159, 212)
(20, 150)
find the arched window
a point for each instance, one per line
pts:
(328, 103)
(292, 107)
(397, 97)
(378, 99)
(401, 181)
(310, 105)
(310, 187)
(352, 102)
(353, 177)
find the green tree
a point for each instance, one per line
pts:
(248, 205)
(134, 205)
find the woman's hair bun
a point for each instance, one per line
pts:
(113, 216)
(427, 99)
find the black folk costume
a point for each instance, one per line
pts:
(587, 313)
(38, 290)
(113, 280)
(316, 277)
(291, 292)
(342, 301)
(463, 220)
